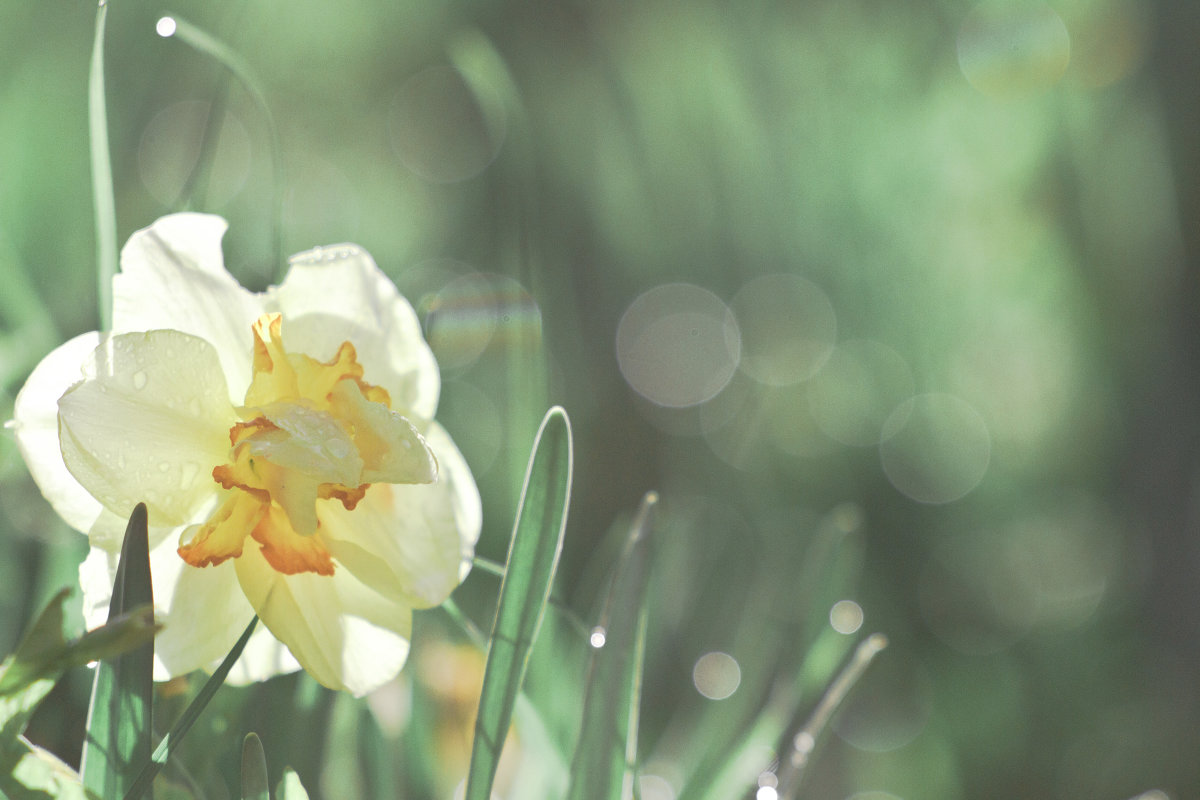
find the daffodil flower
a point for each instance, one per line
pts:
(284, 445)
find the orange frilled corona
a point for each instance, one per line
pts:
(309, 433)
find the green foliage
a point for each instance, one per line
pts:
(28, 772)
(607, 746)
(150, 766)
(119, 718)
(254, 769)
(103, 199)
(532, 560)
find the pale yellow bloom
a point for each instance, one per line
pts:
(284, 445)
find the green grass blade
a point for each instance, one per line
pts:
(118, 728)
(155, 762)
(44, 654)
(805, 741)
(28, 675)
(103, 198)
(532, 560)
(224, 55)
(607, 746)
(254, 769)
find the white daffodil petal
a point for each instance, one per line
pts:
(173, 276)
(96, 575)
(336, 294)
(203, 612)
(468, 508)
(343, 633)
(264, 657)
(147, 424)
(35, 423)
(411, 543)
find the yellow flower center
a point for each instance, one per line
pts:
(308, 432)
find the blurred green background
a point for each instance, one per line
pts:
(915, 279)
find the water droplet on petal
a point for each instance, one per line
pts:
(163, 466)
(188, 475)
(139, 379)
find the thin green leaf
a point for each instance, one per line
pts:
(607, 747)
(26, 677)
(151, 766)
(32, 773)
(45, 654)
(290, 787)
(118, 728)
(103, 198)
(376, 758)
(532, 560)
(254, 769)
(228, 58)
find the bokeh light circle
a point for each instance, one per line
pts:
(170, 149)
(857, 389)
(716, 675)
(936, 448)
(439, 130)
(678, 345)
(846, 616)
(1013, 47)
(788, 328)
(461, 320)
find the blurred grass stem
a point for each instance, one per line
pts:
(224, 55)
(792, 768)
(102, 179)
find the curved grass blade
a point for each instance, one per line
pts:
(805, 741)
(224, 55)
(155, 762)
(607, 747)
(102, 179)
(28, 772)
(118, 727)
(44, 654)
(254, 769)
(532, 560)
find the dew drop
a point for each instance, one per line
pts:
(139, 379)
(163, 466)
(188, 475)
(598, 637)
